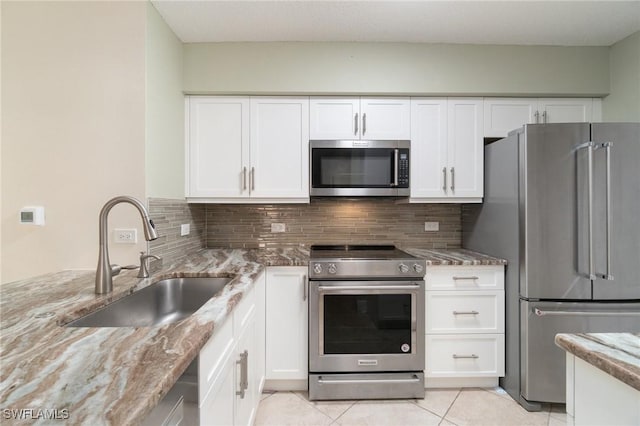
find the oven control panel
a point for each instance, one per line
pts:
(364, 269)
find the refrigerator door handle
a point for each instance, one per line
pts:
(541, 313)
(589, 146)
(607, 146)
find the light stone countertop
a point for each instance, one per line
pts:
(117, 375)
(617, 354)
(111, 375)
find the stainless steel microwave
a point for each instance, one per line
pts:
(357, 168)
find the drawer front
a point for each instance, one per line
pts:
(213, 355)
(465, 355)
(479, 311)
(464, 277)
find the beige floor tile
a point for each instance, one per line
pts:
(499, 391)
(285, 408)
(333, 409)
(382, 413)
(478, 407)
(438, 401)
(558, 416)
(446, 423)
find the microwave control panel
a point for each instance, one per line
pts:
(403, 170)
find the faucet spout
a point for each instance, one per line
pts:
(105, 272)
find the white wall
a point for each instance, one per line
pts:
(623, 103)
(395, 68)
(73, 129)
(165, 110)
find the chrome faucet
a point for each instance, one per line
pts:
(105, 271)
(144, 269)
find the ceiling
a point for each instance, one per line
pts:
(564, 23)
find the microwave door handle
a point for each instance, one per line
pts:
(396, 153)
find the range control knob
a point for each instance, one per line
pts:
(332, 268)
(403, 268)
(317, 268)
(417, 267)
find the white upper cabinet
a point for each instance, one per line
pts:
(217, 146)
(502, 115)
(248, 150)
(279, 147)
(446, 150)
(360, 118)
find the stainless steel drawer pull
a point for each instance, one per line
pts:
(415, 379)
(472, 356)
(465, 312)
(243, 362)
(465, 278)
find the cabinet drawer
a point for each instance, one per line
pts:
(464, 277)
(213, 355)
(480, 311)
(472, 355)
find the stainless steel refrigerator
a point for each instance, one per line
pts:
(562, 205)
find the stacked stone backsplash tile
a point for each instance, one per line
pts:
(168, 215)
(333, 221)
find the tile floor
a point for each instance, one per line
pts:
(472, 406)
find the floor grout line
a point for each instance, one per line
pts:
(444, 417)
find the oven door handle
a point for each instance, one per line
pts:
(414, 379)
(323, 288)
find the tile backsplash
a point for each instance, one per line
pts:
(168, 215)
(333, 221)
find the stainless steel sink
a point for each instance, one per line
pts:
(166, 301)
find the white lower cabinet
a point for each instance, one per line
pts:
(464, 323)
(230, 370)
(286, 328)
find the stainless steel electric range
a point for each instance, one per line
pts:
(366, 323)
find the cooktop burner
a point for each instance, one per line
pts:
(345, 252)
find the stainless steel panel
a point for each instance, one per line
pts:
(345, 268)
(543, 363)
(492, 228)
(359, 144)
(360, 192)
(624, 208)
(321, 362)
(548, 165)
(366, 386)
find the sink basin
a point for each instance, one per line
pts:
(166, 301)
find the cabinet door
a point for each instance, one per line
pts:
(466, 148)
(502, 115)
(246, 368)
(279, 148)
(259, 291)
(217, 409)
(385, 118)
(287, 334)
(428, 147)
(218, 146)
(576, 110)
(334, 118)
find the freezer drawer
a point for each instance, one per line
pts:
(542, 372)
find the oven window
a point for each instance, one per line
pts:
(367, 324)
(352, 168)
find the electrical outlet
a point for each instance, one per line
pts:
(185, 229)
(278, 227)
(431, 226)
(125, 236)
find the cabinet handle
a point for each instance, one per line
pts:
(244, 382)
(355, 120)
(364, 123)
(473, 277)
(444, 179)
(252, 178)
(465, 312)
(544, 117)
(304, 288)
(244, 178)
(536, 116)
(453, 179)
(472, 356)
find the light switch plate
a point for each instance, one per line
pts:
(125, 236)
(185, 229)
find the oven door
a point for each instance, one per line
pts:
(359, 168)
(366, 326)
